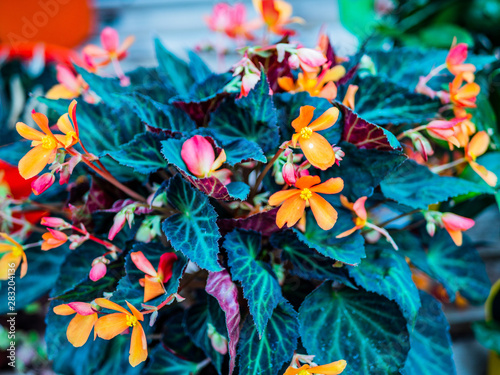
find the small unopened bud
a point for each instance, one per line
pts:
(42, 183)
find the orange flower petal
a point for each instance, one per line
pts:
(489, 177)
(286, 83)
(295, 371)
(456, 236)
(359, 208)
(60, 91)
(107, 304)
(34, 161)
(63, 310)
(290, 212)
(142, 263)
(79, 329)
(221, 159)
(324, 213)
(152, 288)
(326, 120)
(126, 45)
(280, 196)
(329, 91)
(347, 232)
(42, 121)
(478, 144)
(4, 265)
(333, 368)
(307, 181)
(318, 151)
(305, 117)
(330, 186)
(6, 237)
(64, 124)
(136, 312)
(111, 325)
(138, 346)
(24, 265)
(470, 90)
(28, 132)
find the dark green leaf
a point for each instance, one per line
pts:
(385, 272)
(176, 71)
(430, 341)
(363, 170)
(348, 250)
(458, 268)
(260, 286)
(306, 262)
(199, 70)
(143, 153)
(363, 328)
(193, 230)
(416, 186)
(252, 117)
(488, 335)
(264, 356)
(165, 362)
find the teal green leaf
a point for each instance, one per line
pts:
(383, 102)
(199, 70)
(307, 263)
(488, 335)
(260, 286)
(196, 323)
(363, 170)
(385, 272)
(348, 250)
(363, 328)
(288, 109)
(176, 71)
(193, 230)
(164, 361)
(430, 341)
(416, 186)
(458, 268)
(266, 355)
(43, 273)
(130, 290)
(143, 153)
(159, 115)
(252, 117)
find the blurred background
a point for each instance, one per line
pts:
(27, 70)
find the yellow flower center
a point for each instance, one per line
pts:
(304, 372)
(359, 222)
(17, 251)
(48, 142)
(131, 320)
(305, 194)
(472, 156)
(306, 132)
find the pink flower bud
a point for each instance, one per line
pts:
(294, 62)
(42, 183)
(198, 154)
(289, 175)
(456, 222)
(109, 39)
(98, 271)
(248, 82)
(118, 223)
(54, 222)
(431, 228)
(310, 59)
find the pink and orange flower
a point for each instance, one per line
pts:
(199, 156)
(81, 325)
(317, 150)
(277, 15)
(111, 325)
(231, 20)
(154, 281)
(306, 193)
(453, 223)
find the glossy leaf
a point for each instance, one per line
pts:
(430, 341)
(416, 186)
(193, 230)
(386, 272)
(265, 355)
(164, 361)
(363, 328)
(260, 286)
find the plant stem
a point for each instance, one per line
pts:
(404, 134)
(106, 244)
(444, 167)
(264, 172)
(385, 223)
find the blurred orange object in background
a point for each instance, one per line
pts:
(60, 24)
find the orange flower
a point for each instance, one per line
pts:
(14, 254)
(68, 125)
(361, 219)
(276, 14)
(52, 239)
(44, 146)
(153, 281)
(81, 325)
(321, 85)
(333, 368)
(306, 194)
(463, 96)
(111, 325)
(455, 225)
(349, 96)
(316, 148)
(477, 147)
(456, 58)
